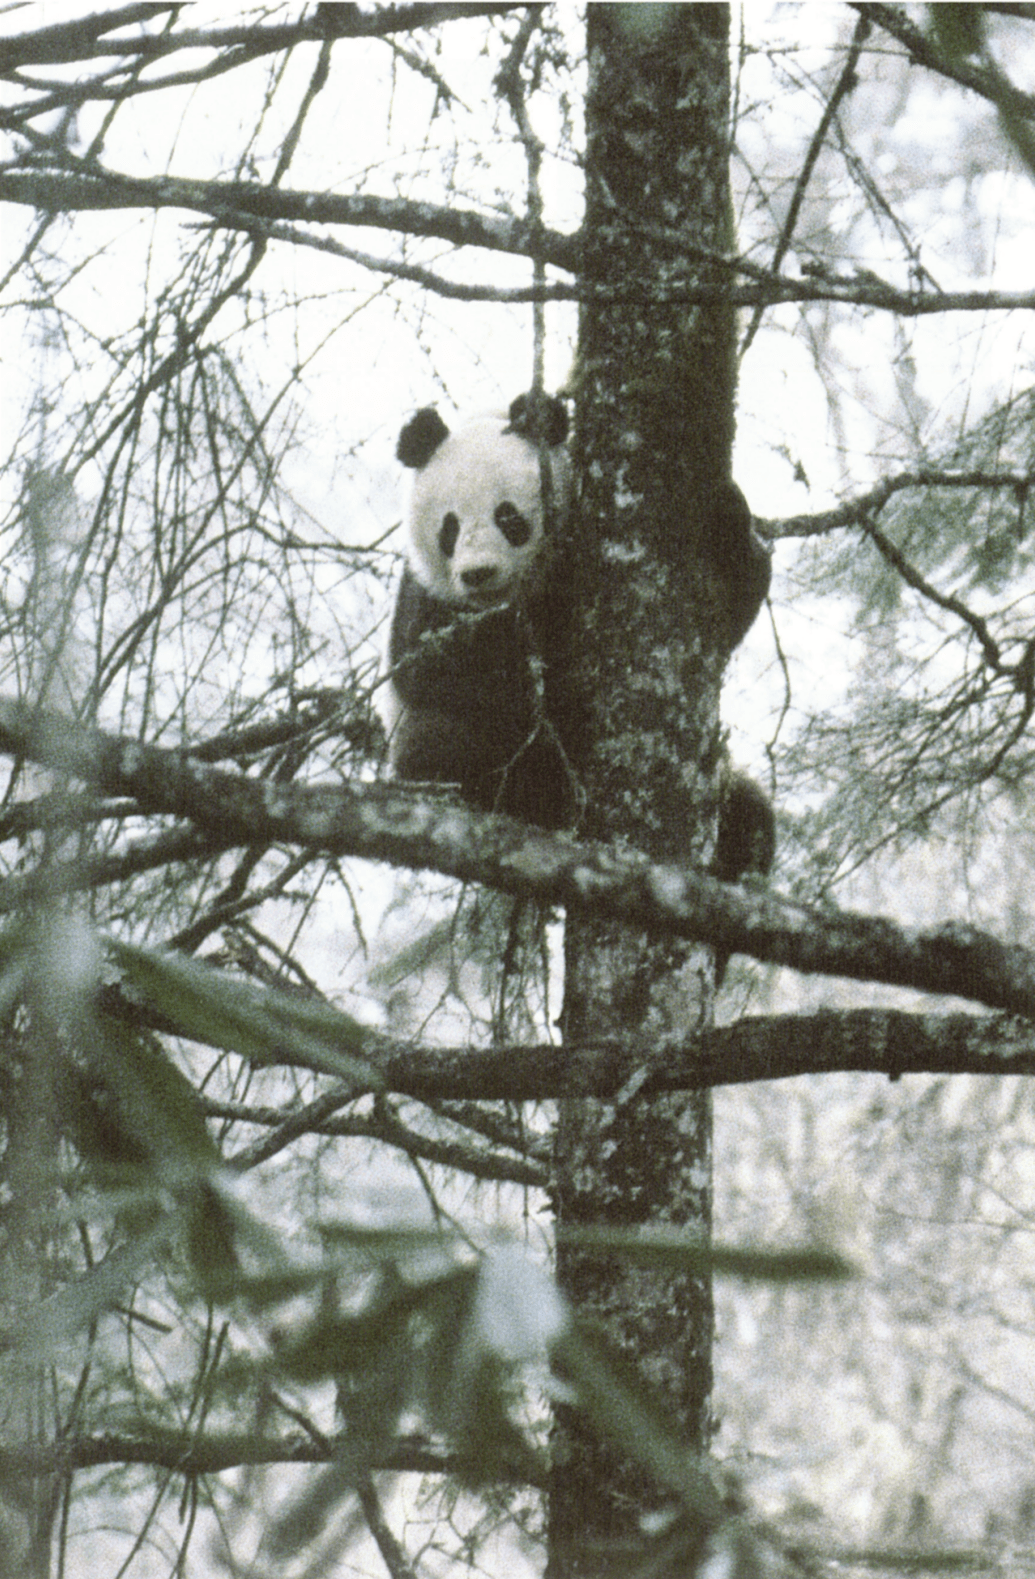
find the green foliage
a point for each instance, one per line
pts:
(261, 1024)
(419, 1339)
(669, 1250)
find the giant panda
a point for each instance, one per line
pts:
(477, 615)
(475, 649)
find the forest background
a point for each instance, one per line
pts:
(200, 515)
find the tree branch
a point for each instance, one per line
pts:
(875, 1041)
(889, 1042)
(388, 822)
(943, 600)
(186, 1454)
(383, 1125)
(88, 39)
(79, 40)
(239, 204)
(846, 84)
(258, 208)
(923, 51)
(856, 512)
(394, 1555)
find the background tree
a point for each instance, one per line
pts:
(203, 377)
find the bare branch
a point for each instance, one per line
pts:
(427, 279)
(79, 40)
(257, 208)
(845, 84)
(855, 512)
(395, 1558)
(510, 84)
(185, 1453)
(315, 1118)
(890, 1042)
(88, 39)
(167, 848)
(239, 204)
(925, 52)
(943, 600)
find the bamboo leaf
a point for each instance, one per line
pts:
(261, 1024)
(671, 1250)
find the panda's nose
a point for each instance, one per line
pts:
(478, 577)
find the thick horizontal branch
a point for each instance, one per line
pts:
(259, 209)
(454, 1080)
(80, 39)
(187, 1454)
(90, 38)
(387, 822)
(240, 204)
(877, 1041)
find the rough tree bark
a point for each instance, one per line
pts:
(654, 431)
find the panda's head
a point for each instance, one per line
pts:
(478, 517)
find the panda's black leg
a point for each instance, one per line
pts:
(746, 840)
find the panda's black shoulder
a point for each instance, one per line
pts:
(458, 661)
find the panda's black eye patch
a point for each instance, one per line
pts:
(516, 528)
(448, 533)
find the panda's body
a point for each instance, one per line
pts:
(475, 633)
(477, 643)
(466, 709)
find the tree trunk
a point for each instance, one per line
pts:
(654, 432)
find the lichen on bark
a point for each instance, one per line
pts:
(654, 426)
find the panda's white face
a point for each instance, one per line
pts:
(477, 514)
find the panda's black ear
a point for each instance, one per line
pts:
(535, 417)
(420, 438)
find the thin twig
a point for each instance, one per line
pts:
(845, 84)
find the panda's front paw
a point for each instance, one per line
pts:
(730, 512)
(741, 559)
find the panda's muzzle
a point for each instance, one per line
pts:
(481, 581)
